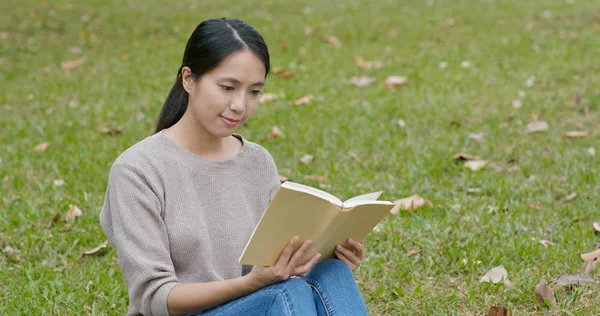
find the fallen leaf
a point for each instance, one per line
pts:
(366, 65)
(410, 203)
(306, 159)
(591, 151)
(574, 280)
(443, 65)
(473, 190)
(304, 100)
(450, 22)
(72, 64)
(475, 165)
(571, 197)
(276, 70)
(495, 275)
(575, 134)
(537, 206)
(465, 64)
(530, 81)
(283, 179)
(587, 267)
(72, 213)
(140, 115)
(96, 250)
(267, 97)
(316, 178)
(413, 252)
(476, 136)
(596, 226)
(275, 133)
(288, 74)
(308, 30)
(497, 311)
(59, 182)
(362, 81)
(42, 147)
(401, 123)
(394, 81)
(546, 243)
(112, 131)
(517, 104)
(545, 294)
(591, 256)
(463, 156)
(332, 40)
(8, 108)
(574, 101)
(11, 252)
(75, 50)
(537, 126)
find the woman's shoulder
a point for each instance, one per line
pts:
(141, 155)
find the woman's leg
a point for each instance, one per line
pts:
(293, 297)
(334, 286)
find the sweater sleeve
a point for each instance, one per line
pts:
(273, 172)
(131, 220)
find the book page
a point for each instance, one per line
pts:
(314, 191)
(365, 197)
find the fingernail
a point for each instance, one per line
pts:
(295, 239)
(318, 255)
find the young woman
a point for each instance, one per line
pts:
(182, 203)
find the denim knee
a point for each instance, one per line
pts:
(334, 264)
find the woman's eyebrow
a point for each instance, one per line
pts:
(233, 80)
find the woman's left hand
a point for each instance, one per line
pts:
(352, 256)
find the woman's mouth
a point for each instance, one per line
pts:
(230, 122)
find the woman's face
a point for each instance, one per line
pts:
(224, 98)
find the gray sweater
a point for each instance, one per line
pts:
(174, 217)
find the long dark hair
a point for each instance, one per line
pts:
(209, 44)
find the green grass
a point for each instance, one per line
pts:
(134, 50)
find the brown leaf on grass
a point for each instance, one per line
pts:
(41, 147)
(463, 156)
(316, 178)
(366, 65)
(546, 243)
(288, 74)
(283, 179)
(537, 206)
(304, 100)
(413, 252)
(537, 126)
(570, 197)
(497, 311)
(587, 268)
(96, 250)
(410, 203)
(361, 82)
(72, 64)
(495, 275)
(545, 294)
(574, 280)
(275, 133)
(596, 226)
(112, 131)
(473, 190)
(591, 151)
(575, 134)
(72, 213)
(140, 115)
(8, 108)
(475, 165)
(574, 101)
(332, 40)
(591, 256)
(476, 137)
(306, 159)
(268, 97)
(394, 81)
(12, 253)
(276, 70)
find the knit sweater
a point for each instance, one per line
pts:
(175, 217)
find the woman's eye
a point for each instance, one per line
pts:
(227, 88)
(255, 92)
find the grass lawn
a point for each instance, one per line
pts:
(487, 67)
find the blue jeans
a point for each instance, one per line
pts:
(328, 289)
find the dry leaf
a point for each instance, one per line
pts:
(283, 179)
(473, 190)
(394, 81)
(306, 159)
(495, 275)
(537, 126)
(267, 97)
(591, 151)
(333, 40)
(591, 256)
(443, 65)
(413, 252)
(476, 137)
(42, 147)
(72, 213)
(596, 226)
(288, 74)
(97, 249)
(497, 311)
(530, 81)
(59, 182)
(574, 101)
(463, 156)
(545, 294)
(410, 203)
(571, 197)
(8, 108)
(304, 100)
(276, 70)
(587, 268)
(316, 178)
(546, 243)
(140, 115)
(366, 65)
(276, 132)
(72, 64)
(362, 81)
(401, 123)
(575, 134)
(574, 280)
(465, 64)
(475, 164)
(517, 104)
(112, 131)
(308, 30)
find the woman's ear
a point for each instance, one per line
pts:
(187, 79)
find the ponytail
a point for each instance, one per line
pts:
(175, 105)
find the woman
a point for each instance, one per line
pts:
(182, 203)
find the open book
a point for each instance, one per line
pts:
(309, 213)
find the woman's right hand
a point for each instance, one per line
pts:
(288, 265)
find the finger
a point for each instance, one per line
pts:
(348, 254)
(341, 256)
(303, 269)
(299, 253)
(357, 246)
(284, 258)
